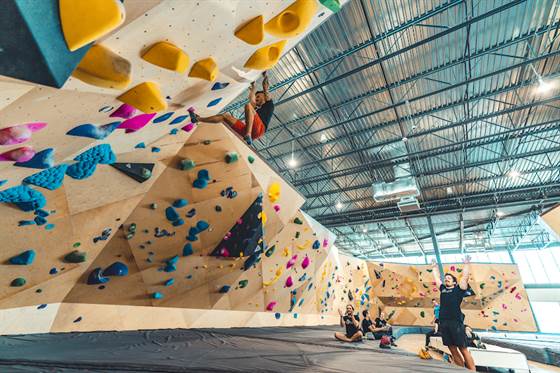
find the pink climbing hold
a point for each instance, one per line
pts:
(518, 296)
(23, 154)
(289, 282)
(276, 208)
(224, 252)
(20, 133)
(136, 123)
(452, 268)
(305, 262)
(325, 242)
(270, 306)
(124, 111)
(504, 306)
(291, 262)
(188, 128)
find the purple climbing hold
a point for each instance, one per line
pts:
(42, 159)
(124, 111)
(136, 123)
(214, 102)
(50, 179)
(116, 269)
(188, 128)
(164, 117)
(96, 277)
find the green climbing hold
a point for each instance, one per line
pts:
(243, 283)
(422, 314)
(251, 159)
(332, 5)
(187, 164)
(482, 284)
(153, 206)
(231, 157)
(132, 228)
(146, 173)
(297, 234)
(76, 244)
(129, 236)
(20, 281)
(298, 221)
(270, 251)
(76, 257)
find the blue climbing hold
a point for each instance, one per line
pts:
(41, 212)
(25, 258)
(191, 213)
(224, 289)
(200, 183)
(43, 159)
(140, 145)
(157, 295)
(155, 149)
(174, 131)
(250, 261)
(48, 227)
(116, 269)
(164, 117)
(24, 197)
(219, 85)
(53, 271)
(22, 223)
(50, 179)
(169, 282)
(277, 315)
(2, 182)
(202, 225)
(81, 170)
(100, 153)
(93, 132)
(96, 277)
(173, 260)
(204, 174)
(178, 222)
(316, 245)
(192, 238)
(41, 306)
(39, 220)
(170, 268)
(179, 119)
(214, 102)
(193, 231)
(187, 249)
(171, 214)
(180, 203)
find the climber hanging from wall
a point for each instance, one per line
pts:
(258, 113)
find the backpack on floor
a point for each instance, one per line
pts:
(424, 354)
(385, 342)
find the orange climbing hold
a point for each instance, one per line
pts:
(293, 20)
(168, 56)
(206, 69)
(145, 97)
(103, 68)
(266, 57)
(251, 32)
(85, 21)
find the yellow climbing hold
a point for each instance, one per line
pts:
(84, 21)
(102, 67)
(251, 32)
(293, 20)
(274, 192)
(286, 251)
(263, 217)
(168, 56)
(145, 97)
(204, 69)
(266, 57)
(275, 278)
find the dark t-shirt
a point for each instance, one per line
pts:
(365, 325)
(450, 302)
(265, 112)
(380, 323)
(351, 329)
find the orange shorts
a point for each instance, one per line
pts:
(257, 131)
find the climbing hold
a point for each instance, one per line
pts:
(138, 171)
(305, 262)
(298, 221)
(2, 182)
(270, 251)
(316, 245)
(94, 132)
(153, 206)
(291, 262)
(277, 315)
(202, 225)
(187, 164)
(274, 193)
(41, 212)
(218, 208)
(224, 289)
(180, 203)
(332, 5)
(145, 97)
(116, 269)
(293, 20)
(75, 257)
(169, 282)
(96, 277)
(251, 32)
(136, 123)
(81, 170)
(168, 56)
(203, 177)
(164, 117)
(39, 220)
(101, 67)
(270, 306)
(187, 249)
(41, 306)
(124, 111)
(204, 69)
(178, 222)
(171, 214)
(155, 149)
(24, 197)
(42, 159)
(50, 178)
(219, 85)
(17, 282)
(23, 154)
(157, 295)
(100, 153)
(23, 223)
(178, 120)
(266, 57)
(251, 159)
(289, 282)
(25, 258)
(83, 22)
(214, 102)
(20, 133)
(191, 213)
(231, 157)
(250, 261)
(243, 283)
(276, 208)
(78, 319)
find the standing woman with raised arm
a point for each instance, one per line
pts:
(451, 324)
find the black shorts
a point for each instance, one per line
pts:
(453, 333)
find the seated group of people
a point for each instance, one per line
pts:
(370, 329)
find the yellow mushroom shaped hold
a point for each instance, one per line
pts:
(84, 21)
(293, 20)
(145, 97)
(274, 192)
(266, 57)
(168, 56)
(206, 69)
(103, 68)
(251, 32)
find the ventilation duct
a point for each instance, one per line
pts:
(403, 186)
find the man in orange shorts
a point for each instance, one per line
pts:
(258, 113)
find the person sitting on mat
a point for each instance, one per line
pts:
(435, 322)
(352, 324)
(367, 325)
(381, 327)
(451, 324)
(258, 113)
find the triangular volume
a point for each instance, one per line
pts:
(138, 171)
(245, 236)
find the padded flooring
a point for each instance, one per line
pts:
(310, 349)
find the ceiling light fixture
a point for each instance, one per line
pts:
(500, 213)
(338, 205)
(514, 174)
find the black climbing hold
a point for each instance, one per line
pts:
(138, 171)
(75, 257)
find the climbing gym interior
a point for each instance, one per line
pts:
(223, 185)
